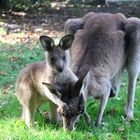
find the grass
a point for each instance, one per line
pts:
(12, 59)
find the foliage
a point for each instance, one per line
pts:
(26, 4)
(21, 5)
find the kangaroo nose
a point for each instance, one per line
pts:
(69, 129)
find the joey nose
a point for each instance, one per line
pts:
(60, 69)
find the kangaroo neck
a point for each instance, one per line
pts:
(51, 74)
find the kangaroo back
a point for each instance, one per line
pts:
(101, 42)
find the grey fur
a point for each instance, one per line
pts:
(133, 62)
(99, 50)
(132, 65)
(73, 25)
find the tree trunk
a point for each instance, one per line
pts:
(4, 4)
(101, 2)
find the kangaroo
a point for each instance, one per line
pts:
(75, 24)
(30, 91)
(133, 61)
(70, 113)
(99, 52)
(132, 64)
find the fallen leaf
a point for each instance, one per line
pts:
(14, 59)
(46, 115)
(6, 89)
(121, 129)
(3, 73)
(112, 111)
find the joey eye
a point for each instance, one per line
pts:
(52, 59)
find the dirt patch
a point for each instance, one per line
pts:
(50, 20)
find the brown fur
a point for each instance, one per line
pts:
(30, 91)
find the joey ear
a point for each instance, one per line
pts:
(66, 42)
(52, 89)
(47, 42)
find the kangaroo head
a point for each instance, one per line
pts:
(56, 54)
(74, 99)
(76, 103)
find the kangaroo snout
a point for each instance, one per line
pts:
(69, 128)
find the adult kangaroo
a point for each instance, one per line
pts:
(99, 52)
(75, 24)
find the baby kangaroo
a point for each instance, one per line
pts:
(30, 91)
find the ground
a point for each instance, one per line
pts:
(39, 20)
(19, 46)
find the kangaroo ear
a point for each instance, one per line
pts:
(130, 28)
(66, 42)
(77, 87)
(47, 42)
(52, 89)
(82, 104)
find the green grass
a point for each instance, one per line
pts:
(2, 31)
(12, 59)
